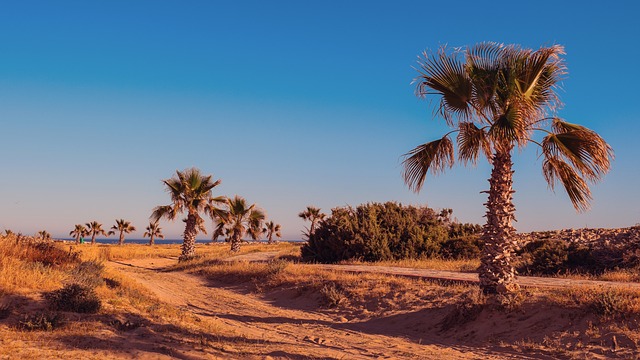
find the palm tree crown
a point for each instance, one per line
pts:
(313, 215)
(78, 231)
(44, 235)
(190, 193)
(272, 229)
(153, 230)
(496, 98)
(124, 227)
(238, 218)
(95, 228)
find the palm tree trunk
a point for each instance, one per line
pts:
(78, 240)
(235, 244)
(93, 239)
(121, 241)
(151, 239)
(497, 275)
(270, 239)
(189, 242)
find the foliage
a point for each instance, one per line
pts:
(44, 321)
(75, 298)
(463, 248)
(87, 274)
(375, 231)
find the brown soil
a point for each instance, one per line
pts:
(283, 332)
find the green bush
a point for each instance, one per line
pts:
(88, 274)
(373, 232)
(75, 298)
(467, 247)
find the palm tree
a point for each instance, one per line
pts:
(271, 229)
(78, 232)
(8, 232)
(44, 235)
(153, 230)
(95, 228)
(124, 227)
(314, 215)
(496, 98)
(239, 219)
(190, 192)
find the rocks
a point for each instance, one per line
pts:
(591, 237)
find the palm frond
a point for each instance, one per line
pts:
(445, 75)
(436, 156)
(584, 148)
(471, 140)
(555, 169)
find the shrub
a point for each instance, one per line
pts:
(88, 274)
(467, 247)
(75, 298)
(374, 232)
(544, 257)
(332, 296)
(41, 321)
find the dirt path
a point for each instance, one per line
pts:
(525, 281)
(268, 331)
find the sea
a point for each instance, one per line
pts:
(162, 241)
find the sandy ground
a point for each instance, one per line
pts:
(291, 332)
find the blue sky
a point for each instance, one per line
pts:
(290, 103)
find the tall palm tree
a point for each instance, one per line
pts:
(239, 219)
(78, 232)
(496, 98)
(190, 193)
(95, 228)
(44, 235)
(153, 230)
(272, 229)
(313, 215)
(124, 227)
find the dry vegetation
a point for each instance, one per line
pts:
(587, 323)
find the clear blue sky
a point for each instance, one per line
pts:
(290, 103)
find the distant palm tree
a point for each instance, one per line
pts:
(44, 235)
(8, 232)
(272, 229)
(78, 232)
(124, 227)
(95, 228)
(239, 219)
(313, 215)
(153, 230)
(190, 192)
(495, 97)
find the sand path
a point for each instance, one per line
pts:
(525, 281)
(284, 332)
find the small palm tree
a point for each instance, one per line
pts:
(153, 230)
(78, 232)
(44, 235)
(496, 97)
(124, 227)
(190, 193)
(272, 229)
(95, 228)
(8, 232)
(239, 219)
(313, 215)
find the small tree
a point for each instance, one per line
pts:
(272, 229)
(78, 232)
(313, 215)
(238, 219)
(95, 228)
(44, 235)
(153, 230)
(124, 227)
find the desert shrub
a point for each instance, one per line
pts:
(467, 309)
(41, 321)
(276, 266)
(544, 257)
(373, 232)
(467, 247)
(87, 274)
(610, 303)
(332, 295)
(75, 298)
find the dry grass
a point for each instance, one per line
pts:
(470, 265)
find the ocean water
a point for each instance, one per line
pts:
(160, 241)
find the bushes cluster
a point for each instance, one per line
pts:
(550, 257)
(75, 298)
(375, 231)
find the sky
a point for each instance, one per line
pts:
(289, 103)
